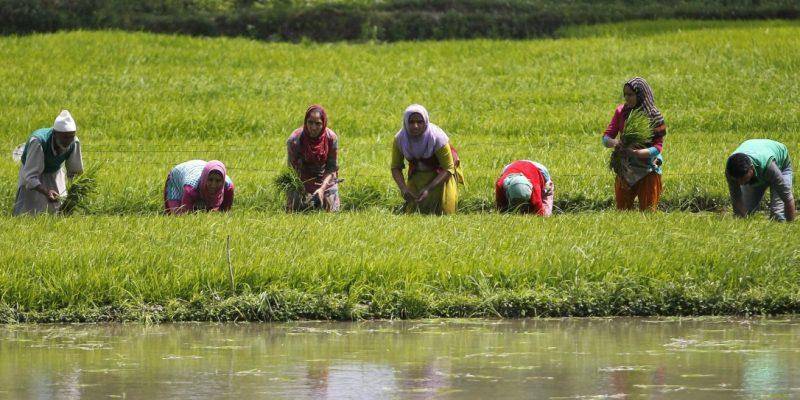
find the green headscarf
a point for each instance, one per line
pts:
(518, 190)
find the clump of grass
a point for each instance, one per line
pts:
(79, 192)
(288, 181)
(634, 136)
(362, 197)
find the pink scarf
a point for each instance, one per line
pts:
(213, 200)
(423, 146)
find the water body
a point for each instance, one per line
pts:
(463, 359)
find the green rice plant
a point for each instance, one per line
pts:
(80, 192)
(634, 136)
(288, 181)
(216, 99)
(228, 117)
(374, 264)
(637, 131)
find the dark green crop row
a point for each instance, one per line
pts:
(362, 20)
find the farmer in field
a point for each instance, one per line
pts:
(198, 185)
(642, 176)
(433, 166)
(525, 186)
(313, 154)
(756, 165)
(42, 183)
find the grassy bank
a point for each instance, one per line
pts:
(146, 102)
(375, 265)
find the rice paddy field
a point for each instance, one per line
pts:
(146, 102)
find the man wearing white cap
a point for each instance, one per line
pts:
(41, 176)
(525, 186)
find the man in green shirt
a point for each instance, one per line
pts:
(756, 165)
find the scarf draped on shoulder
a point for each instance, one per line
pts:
(422, 146)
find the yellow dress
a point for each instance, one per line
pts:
(441, 199)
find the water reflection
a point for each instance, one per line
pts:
(570, 358)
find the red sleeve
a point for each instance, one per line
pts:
(292, 151)
(332, 164)
(227, 200)
(500, 195)
(187, 200)
(614, 126)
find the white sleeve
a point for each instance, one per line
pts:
(75, 161)
(34, 165)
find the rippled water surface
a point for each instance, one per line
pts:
(478, 359)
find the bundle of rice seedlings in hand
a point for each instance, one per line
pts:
(288, 181)
(636, 134)
(79, 192)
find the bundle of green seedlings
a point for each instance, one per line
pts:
(79, 192)
(288, 181)
(636, 134)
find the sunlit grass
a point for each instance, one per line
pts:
(145, 103)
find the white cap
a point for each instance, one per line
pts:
(64, 122)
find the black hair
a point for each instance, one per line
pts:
(738, 165)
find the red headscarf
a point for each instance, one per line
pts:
(315, 150)
(213, 200)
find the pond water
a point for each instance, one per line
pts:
(464, 359)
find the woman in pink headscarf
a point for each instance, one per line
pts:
(312, 153)
(198, 186)
(433, 165)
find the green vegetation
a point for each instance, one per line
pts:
(366, 20)
(288, 181)
(79, 192)
(144, 103)
(380, 265)
(635, 135)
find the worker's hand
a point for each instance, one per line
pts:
(422, 196)
(409, 195)
(624, 151)
(320, 195)
(52, 195)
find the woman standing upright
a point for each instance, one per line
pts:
(643, 177)
(433, 167)
(312, 154)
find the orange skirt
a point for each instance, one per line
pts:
(648, 190)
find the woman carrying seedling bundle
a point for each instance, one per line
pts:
(525, 186)
(434, 169)
(198, 186)
(312, 154)
(636, 158)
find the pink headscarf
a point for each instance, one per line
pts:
(213, 200)
(423, 146)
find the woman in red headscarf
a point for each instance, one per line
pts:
(312, 153)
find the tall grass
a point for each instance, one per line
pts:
(154, 101)
(374, 264)
(144, 103)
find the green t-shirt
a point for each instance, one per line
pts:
(762, 152)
